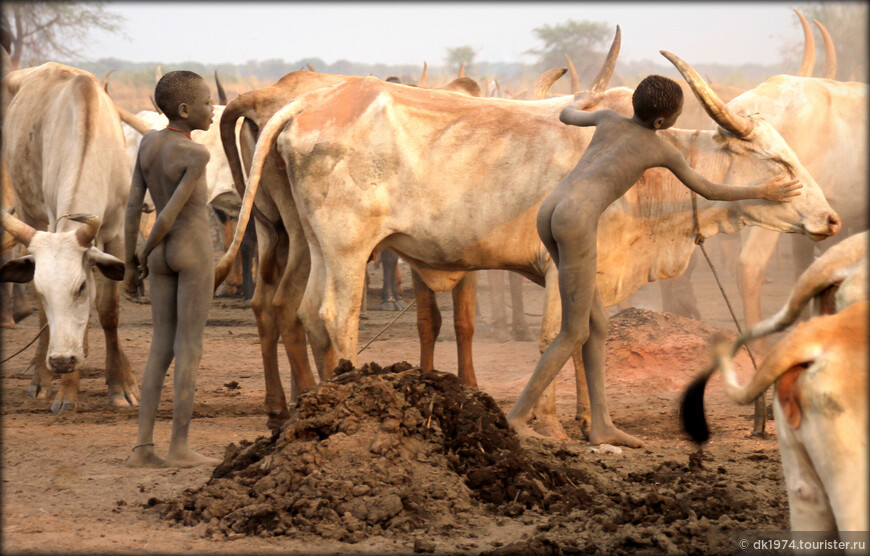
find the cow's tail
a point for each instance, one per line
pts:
(827, 271)
(267, 137)
(239, 107)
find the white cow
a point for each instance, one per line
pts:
(64, 151)
(453, 184)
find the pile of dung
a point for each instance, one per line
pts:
(380, 450)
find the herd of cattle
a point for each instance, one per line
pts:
(337, 168)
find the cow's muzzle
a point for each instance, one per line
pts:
(830, 227)
(62, 364)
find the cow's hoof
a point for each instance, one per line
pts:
(399, 305)
(551, 429)
(7, 324)
(38, 392)
(58, 406)
(123, 400)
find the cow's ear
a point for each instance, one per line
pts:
(18, 270)
(111, 266)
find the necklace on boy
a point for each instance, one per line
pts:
(180, 131)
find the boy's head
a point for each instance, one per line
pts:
(658, 101)
(183, 87)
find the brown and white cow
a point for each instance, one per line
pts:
(453, 184)
(64, 151)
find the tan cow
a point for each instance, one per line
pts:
(453, 184)
(63, 149)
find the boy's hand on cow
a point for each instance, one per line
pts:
(780, 188)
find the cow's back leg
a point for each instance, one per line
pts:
(519, 328)
(268, 275)
(285, 307)
(122, 384)
(808, 505)
(428, 321)
(464, 294)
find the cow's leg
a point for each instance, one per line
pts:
(428, 321)
(285, 305)
(40, 384)
(808, 505)
(339, 307)
(464, 294)
(122, 385)
(6, 318)
(390, 298)
(754, 256)
(519, 328)
(496, 303)
(267, 329)
(309, 312)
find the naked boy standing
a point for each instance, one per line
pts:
(178, 256)
(618, 154)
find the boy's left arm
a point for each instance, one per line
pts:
(778, 188)
(132, 217)
(573, 116)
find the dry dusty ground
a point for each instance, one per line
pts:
(65, 487)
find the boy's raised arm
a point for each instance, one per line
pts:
(778, 188)
(573, 116)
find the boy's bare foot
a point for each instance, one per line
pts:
(144, 456)
(612, 435)
(189, 458)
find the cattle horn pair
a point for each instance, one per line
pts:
(809, 57)
(713, 105)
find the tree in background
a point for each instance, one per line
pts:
(39, 31)
(455, 57)
(847, 24)
(586, 42)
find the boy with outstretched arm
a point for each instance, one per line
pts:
(178, 256)
(620, 151)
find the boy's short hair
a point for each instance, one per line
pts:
(655, 97)
(174, 88)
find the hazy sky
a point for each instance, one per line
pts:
(409, 33)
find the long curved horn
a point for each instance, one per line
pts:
(154, 104)
(462, 69)
(830, 52)
(603, 77)
(809, 58)
(713, 105)
(422, 82)
(546, 80)
(222, 95)
(855, 73)
(158, 74)
(575, 80)
(86, 234)
(310, 67)
(22, 232)
(106, 81)
(133, 121)
(497, 88)
(264, 146)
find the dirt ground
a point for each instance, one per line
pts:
(65, 488)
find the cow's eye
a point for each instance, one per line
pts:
(81, 289)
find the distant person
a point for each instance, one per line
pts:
(178, 254)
